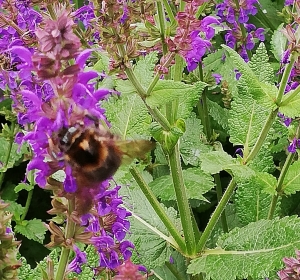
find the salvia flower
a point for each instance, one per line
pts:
(192, 35)
(66, 96)
(294, 145)
(240, 34)
(292, 268)
(130, 271)
(109, 227)
(78, 261)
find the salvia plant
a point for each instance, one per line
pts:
(149, 139)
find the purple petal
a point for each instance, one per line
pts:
(82, 57)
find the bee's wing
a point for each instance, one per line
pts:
(132, 149)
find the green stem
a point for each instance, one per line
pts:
(182, 4)
(6, 160)
(140, 90)
(201, 9)
(216, 215)
(51, 11)
(173, 110)
(28, 202)
(262, 136)
(280, 186)
(285, 77)
(29, 196)
(203, 109)
(273, 206)
(182, 200)
(142, 93)
(219, 197)
(157, 208)
(159, 117)
(167, 62)
(170, 12)
(65, 252)
(161, 18)
(290, 96)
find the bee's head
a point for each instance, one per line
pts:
(67, 136)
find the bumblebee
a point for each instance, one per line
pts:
(95, 154)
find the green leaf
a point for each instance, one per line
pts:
(23, 186)
(144, 69)
(268, 182)
(196, 182)
(216, 161)
(278, 137)
(246, 120)
(27, 273)
(291, 183)
(148, 233)
(218, 113)
(166, 91)
(14, 156)
(292, 108)
(102, 64)
(143, 72)
(128, 116)
(192, 143)
(168, 139)
(278, 42)
(8, 191)
(187, 103)
(260, 65)
(263, 162)
(32, 229)
(252, 251)
(252, 202)
(262, 92)
(216, 63)
(16, 209)
(179, 268)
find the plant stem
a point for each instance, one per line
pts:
(201, 9)
(273, 206)
(29, 196)
(203, 109)
(157, 208)
(284, 170)
(262, 136)
(11, 141)
(215, 216)
(219, 196)
(169, 12)
(161, 18)
(285, 77)
(169, 59)
(290, 96)
(141, 92)
(182, 200)
(65, 252)
(280, 186)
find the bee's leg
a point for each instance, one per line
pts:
(94, 119)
